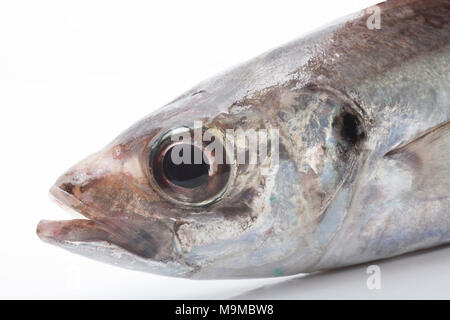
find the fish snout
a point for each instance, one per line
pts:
(75, 181)
(104, 197)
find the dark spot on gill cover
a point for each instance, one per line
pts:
(348, 130)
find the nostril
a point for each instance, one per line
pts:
(67, 187)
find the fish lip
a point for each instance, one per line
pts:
(67, 200)
(46, 228)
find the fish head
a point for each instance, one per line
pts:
(233, 212)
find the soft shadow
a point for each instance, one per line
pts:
(423, 274)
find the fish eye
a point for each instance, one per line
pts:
(188, 173)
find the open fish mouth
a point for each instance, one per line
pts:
(82, 229)
(94, 225)
(90, 236)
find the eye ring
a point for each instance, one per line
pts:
(188, 184)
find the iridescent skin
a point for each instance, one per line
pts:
(332, 201)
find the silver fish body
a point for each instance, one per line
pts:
(362, 169)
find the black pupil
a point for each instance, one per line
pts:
(186, 175)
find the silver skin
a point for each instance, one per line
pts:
(363, 170)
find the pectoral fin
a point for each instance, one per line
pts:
(428, 160)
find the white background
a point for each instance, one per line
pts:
(74, 74)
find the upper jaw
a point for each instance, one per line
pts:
(81, 229)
